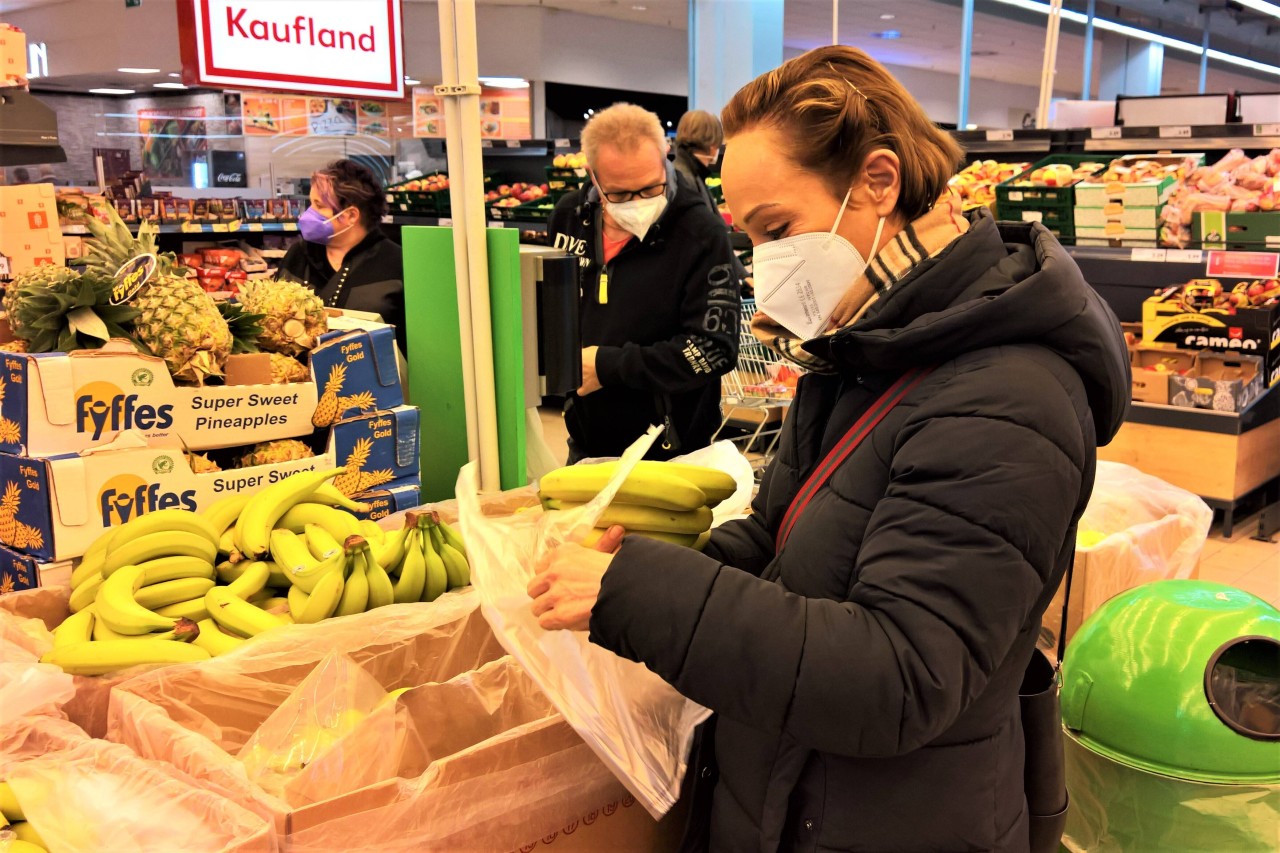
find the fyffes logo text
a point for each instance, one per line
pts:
(128, 496)
(102, 407)
(131, 276)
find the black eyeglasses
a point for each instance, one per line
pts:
(652, 191)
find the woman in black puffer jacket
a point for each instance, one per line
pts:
(863, 645)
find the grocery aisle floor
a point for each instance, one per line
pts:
(1240, 561)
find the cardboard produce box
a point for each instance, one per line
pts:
(376, 448)
(1116, 235)
(13, 56)
(1153, 367)
(1098, 191)
(63, 503)
(1131, 218)
(1237, 231)
(395, 497)
(29, 231)
(1236, 331)
(1220, 382)
(17, 571)
(56, 403)
(355, 371)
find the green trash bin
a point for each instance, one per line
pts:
(1171, 701)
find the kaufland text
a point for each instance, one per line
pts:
(302, 31)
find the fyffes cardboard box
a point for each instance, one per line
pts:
(356, 370)
(57, 403)
(55, 507)
(396, 496)
(376, 448)
(17, 571)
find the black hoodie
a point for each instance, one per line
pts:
(866, 676)
(666, 323)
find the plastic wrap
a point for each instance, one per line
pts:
(90, 796)
(637, 723)
(1116, 808)
(28, 686)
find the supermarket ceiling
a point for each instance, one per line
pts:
(1008, 40)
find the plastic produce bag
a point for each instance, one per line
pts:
(638, 725)
(28, 686)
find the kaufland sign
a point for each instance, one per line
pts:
(341, 47)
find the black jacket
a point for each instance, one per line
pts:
(692, 170)
(373, 271)
(866, 677)
(666, 324)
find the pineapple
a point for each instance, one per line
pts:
(14, 346)
(9, 506)
(294, 317)
(275, 452)
(26, 536)
(180, 323)
(245, 328)
(327, 408)
(348, 482)
(40, 276)
(363, 400)
(369, 479)
(69, 314)
(202, 464)
(10, 432)
(285, 369)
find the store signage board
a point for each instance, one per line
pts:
(351, 47)
(1176, 132)
(1243, 264)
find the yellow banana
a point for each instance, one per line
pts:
(174, 543)
(252, 580)
(99, 657)
(21, 846)
(321, 603)
(703, 538)
(320, 542)
(261, 596)
(277, 578)
(381, 591)
(437, 575)
(164, 569)
(290, 551)
(85, 594)
(237, 615)
(372, 533)
(307, 578)
(646, 486)
(329, 495)
(227, 571)
(715, 484)
(392, 697)
(92, 561)
(156, 595)
(264, 509)
(184, 631)
(455, 565)
(413, 569)
(686, 540)
(9, 806)
(275, 602)
(76, 628)
(222, 514)
(193, 610)
(227, 545)
(162, 521)
(338, 523)
(636, 518)
(26, 832)
(452, 537)
(214, 640)
(390, 552)
(355, 591)
(117, 608)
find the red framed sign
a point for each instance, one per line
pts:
(294, 45)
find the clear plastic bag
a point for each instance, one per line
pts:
(638, 725)
(28, 686)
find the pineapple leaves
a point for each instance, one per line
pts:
(70, 313)
(82, 320)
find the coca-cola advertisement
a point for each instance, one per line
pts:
(227, 169)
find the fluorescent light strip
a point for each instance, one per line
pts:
(1145, 35)
(1261, 6)
(111, 91)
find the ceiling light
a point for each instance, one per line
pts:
(888, 34)
(138, 70)
(505, 82)
(668, 124)
(1260, 6)
(887, 17)
(174, 74)
(110, 91)
(970, 127)
(170, 86)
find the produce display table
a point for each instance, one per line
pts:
(1221, 457)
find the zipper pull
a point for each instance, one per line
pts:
(603, 295)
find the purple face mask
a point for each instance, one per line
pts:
(315, 228)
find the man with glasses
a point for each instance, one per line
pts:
(659, 309)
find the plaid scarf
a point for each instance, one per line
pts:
(922, 238)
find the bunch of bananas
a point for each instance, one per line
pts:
(23, 837)
(667, 501)
(175, 586)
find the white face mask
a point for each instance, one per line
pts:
(638, 215)
(800, 280)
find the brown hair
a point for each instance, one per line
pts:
(700, 130)
(836, 105)
(625, 127)
(346, 183)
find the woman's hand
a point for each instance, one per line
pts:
(567, 582)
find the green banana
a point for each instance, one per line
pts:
(121, 613)
(193, 609)
(329, 495)
(164, 569)
(338, 523)
(452, 537)
(264, 509)
(320, 542)
(437, 574)
(459, 571)
(391, 552)
(636, 518)
(85, 594)
(162, 521)
(214, 640)
(252, 580)
(76, 628)
(222, 513)
(99, 657)
(307, 578)
(647, 486)
(355, 591)
(323, 601)
(175, 543)
(237, 615)
(9, 806)
(381, 591)
(156, 595)
(413, 569)
(91, 563)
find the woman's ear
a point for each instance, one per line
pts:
(882, 180)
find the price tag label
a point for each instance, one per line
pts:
(1185, 256)
(1148, 255)
(1243, 264)
(388, 219)
(254, 226)
(191, 228)
(445, 223)
(513, 143)
(1176, 132)
(220, 228)
(494, 223)
(289, 226)
(563, 143)
(486, 143)
(1104, 133)
(1266, 130)
(999, 135)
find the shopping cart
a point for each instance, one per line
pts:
(752, 405)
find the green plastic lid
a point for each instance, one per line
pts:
(1182, 678)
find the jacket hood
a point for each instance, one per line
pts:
(1010, 283)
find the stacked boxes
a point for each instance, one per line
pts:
(1235, 331)
(1122, 205)
(1045, 193)
(29, 230)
